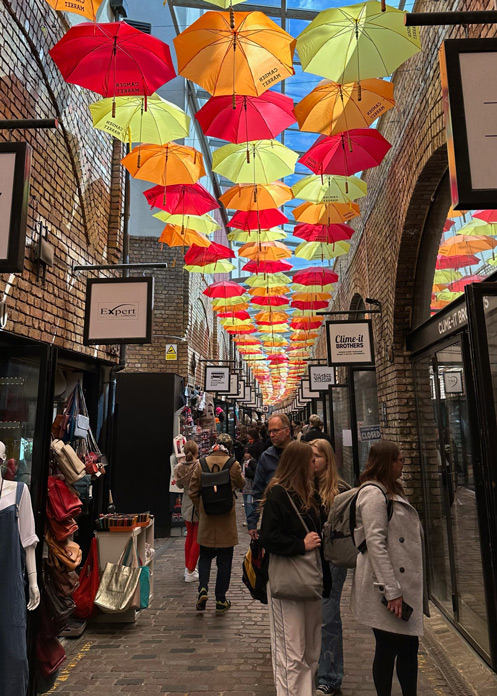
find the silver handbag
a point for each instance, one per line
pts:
(296, 577)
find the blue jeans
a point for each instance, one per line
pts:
(248, 502)
(330, 670)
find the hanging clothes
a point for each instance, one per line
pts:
(13, 651)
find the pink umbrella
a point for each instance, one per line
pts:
(346, 153)
(459, 285)
(257, 219)
(456, 261)
(181, 199)
(202, 256)
(328, 234)
(489, 216)
(267, 266)
(315, 276)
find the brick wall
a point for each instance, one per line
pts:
(76, 182)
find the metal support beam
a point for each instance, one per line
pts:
(435, 19)
(351, 311)
(119, 267)
(28, 123)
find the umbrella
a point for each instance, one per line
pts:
(267, 266)
(184, 199)
(268, 290)
(257, 219)
(85, 8)
(277, 328)
(271, 317)
(365, 42)
(466, 244)
(227, 308)
(456, 213)
(448, 224)
(315, 250)
(157, 122)
(456, 261)
(333, 108)
(448, 296)
(460, 284)
(175, 235)
(224, 4)
(253, 118)
(315, 276)
(311, 296)
(262, 196)
(269, 301)
(346, 153)
(242, 53)
(446, 276)
(259, 161)
(330, 189)
(201, 256)
(271, 280)
(242, 315)
(489, 216)
(218, 300)
(256, 235)
(165, 164)
(296, 287)
(217, 267)
(315, 305)
(200, 223)
(265, 251)
(323, 233)
(113, 59)
(478, 227)
(325, 213)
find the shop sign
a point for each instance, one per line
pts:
(468, 70)
(234, 385)
(171, 351)
(350, 343)
(118, 310)
(320, 377)
(15, 169)
(369, 433)
(265, 409)
(217, 379)
(247, 395)
(306, 390)
(453, 383)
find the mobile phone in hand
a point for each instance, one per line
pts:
(406, 608)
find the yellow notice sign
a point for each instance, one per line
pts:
(171, 351)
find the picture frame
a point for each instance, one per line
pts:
(350, 343)
(15, 174)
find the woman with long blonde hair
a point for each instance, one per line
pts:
(329, 484)
(295, 624)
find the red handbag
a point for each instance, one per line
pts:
(62, 530)
(89, 580)
(50, 655)
(62, 502)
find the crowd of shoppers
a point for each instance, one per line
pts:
(292, 485)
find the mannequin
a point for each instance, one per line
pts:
(17, 542)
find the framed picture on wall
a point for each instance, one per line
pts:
(15, 171)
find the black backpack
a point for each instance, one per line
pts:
(216, 490)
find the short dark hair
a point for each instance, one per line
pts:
(253, 433)
(283, 418)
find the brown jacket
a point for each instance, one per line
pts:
(216, 531)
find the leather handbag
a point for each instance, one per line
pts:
(81, 426)
(62, 606)
(89, 580)
(297, 577)
(62, 530)
(50, 655)
(67, 552)
(117, 588)
(62, 502)
(64, 581)
(68, 461)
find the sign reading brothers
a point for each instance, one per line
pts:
(350, 343)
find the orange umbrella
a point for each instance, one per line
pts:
(166, 165)
(231, 308)
(274, 317)
(456, 213)
(334, 108)
(466, 244)
(175, 236)
(259, 197)
(85, 8)
(325, 213)
(269, 292)
(235, 53)
(311, 296)
(265, 251)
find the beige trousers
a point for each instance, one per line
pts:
(295, 644)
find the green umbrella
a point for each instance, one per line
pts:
(477, 227)
(448, 295)
(318, 250)
(356, 42)
(330, 188)
(255, 162)
(200, 223)
(256, 235)
(446, 276)
(267, 280)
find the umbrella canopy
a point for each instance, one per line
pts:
(448, 295)
(311, 296)
(460, 284)
(176, 235)
(240, 315)
(456, 261)
(252, 118)
(85, 8)
(200, 223)
(315, 276)
(269, 301)
(113, 59)
(200, 256)
(346, 153)
(181, 199)
(456, 213)
(271, 280)
(257, 219)
(314, 305)
(224, 289)
(330, 189)
(333, 108)
(478, 227)
(217, 267)
(238, 300)
(271, 317)
(228, 307)
(466, 244)
(316, 250)
(446, 276)
(267, 266)
(369, 42)
(260, 197)
(323, 233)
(256, 236)
(241, 53)
(167, 164)
(265, 251)
(448, 224)
(325, 213)
(259, 161)
(269, 290)
(158, 121)
(489, 216)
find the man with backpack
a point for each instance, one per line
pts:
(212, 490)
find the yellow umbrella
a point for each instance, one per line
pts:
(325, 213)
(85, 8)
(314, 250)
(446, 275)
(256, 235)
(267, 280)
(256, 162)
(200, 223)
(330, 188)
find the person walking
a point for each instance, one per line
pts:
(248, 472)
(390, 571)
(279, 432)
(183, 473)
(330, 669)
(217, 533)
(295, 624)
(315, 431)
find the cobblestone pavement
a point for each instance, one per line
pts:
(173, 649)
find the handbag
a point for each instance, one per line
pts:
(62, 530)
(65, 581)
(89, 580)
(254, 571)
(118, 584)
(61, 606)
(67, 552)
(82, 426)
(68, 461)
(144, 585)
(50, 655)
(296, 577)
(61, 502)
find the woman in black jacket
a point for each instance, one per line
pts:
(295, 624)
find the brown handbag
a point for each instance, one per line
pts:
(62, 530)
(64, 580)
(67, 552)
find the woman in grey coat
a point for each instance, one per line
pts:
(389, 569)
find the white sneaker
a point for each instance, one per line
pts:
(191, 576)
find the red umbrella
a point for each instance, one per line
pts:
(456, 261)
(315, 276)
(300, 324)
(253, 118)
(234, 315)
(270, 301)
(257, 219)
(201, 256)
(346, 153)
(267, 266)
(181, 199)
(224, 288)
(459, 285)
(448, 224)
(315, 304)
(323, 233)
(489, 216)
(113, 59)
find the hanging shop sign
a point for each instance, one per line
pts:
(234, 385)
(15, 169)
(320, 378)
(171, 351)
(217, 379)
(118, 310)
(468, 70)
(247, 395)
(304, 399)
(350, 343)
(453, 382)
(306, 389)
